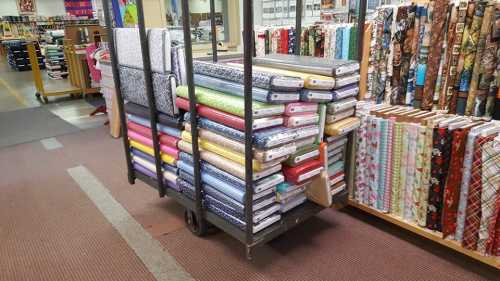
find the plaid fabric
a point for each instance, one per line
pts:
(452, 191)
(473, 211)
(490, 180)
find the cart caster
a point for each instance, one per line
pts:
(198, 226)
(46, 100)
(37, 95)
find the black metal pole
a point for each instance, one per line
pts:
(214, 30)
(361, 27)
(186, 26)
(298, 26)
(119, 97)
(247, 59)
(148, 78)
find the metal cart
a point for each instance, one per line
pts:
(197, 218)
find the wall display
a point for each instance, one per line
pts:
(433, 170)
(435, 55)
(26, 7)
(79, 8)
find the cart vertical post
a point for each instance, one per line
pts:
(298, 26)
(214, 30)
(148, 77)
(192, 111)
(119, 98)
(361, 27)
(247, 58)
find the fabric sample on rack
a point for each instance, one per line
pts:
(464, 188)
(237, 89)
(437, 34)
(311, 65)
(473, 211)
(141, 111)
(230, 104)
(469, 48)
(133, 88)
(272, 137)
(452, 191)
(440, 162)
(490, 180)
(260, 79)
(396, 193)
(476, 100)
(128, 46)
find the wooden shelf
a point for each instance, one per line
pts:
(429, 234)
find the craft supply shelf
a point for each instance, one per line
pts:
(195, 210)
(429, 234)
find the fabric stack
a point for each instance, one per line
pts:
(133, 90)
(336, 41)
(334, 86)
(17, 55)
(436, 170)
(435, 55)
(55, 62)
(219, 93)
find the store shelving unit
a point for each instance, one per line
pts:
(197, 218)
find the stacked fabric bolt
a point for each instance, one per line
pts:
(138, 114)
(334, 86)
(334, 40)
(220, 107)
(436, 170)
(435, 55)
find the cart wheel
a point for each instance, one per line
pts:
(197, 226)
(37, 95)
(45, 99)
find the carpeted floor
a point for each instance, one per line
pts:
(54, 233)
(26, 125)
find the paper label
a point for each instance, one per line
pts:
(268, 184)
(323, 83)
(309, 174)
(275, 110)
(347, 69)
(285, 83)
(279, 152)
(302, 121)
(285, 97)
(303, 108)
(322, 96)
(306, 156)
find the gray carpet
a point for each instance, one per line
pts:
(27, 125)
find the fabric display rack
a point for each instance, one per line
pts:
(432, 173)
(427, 171)
(435, 54)
(17, 55)
(328, 40)
(186, 127)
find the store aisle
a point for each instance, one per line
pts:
(51, 221)
(17, 93)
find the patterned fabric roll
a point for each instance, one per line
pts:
(396, 194)
(469, 48)
(436, 41)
